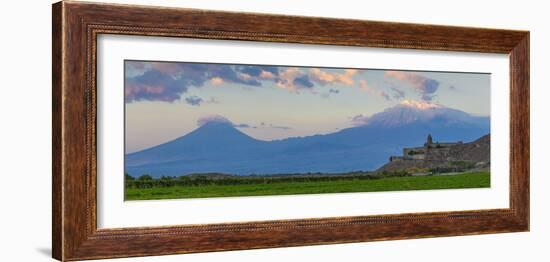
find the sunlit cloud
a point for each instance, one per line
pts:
(216, 81)
(267, 75)
(287, 77)
(324, 77)
(154, 86)
(423, 85)
(167, 82)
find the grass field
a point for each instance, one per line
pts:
(465, 180)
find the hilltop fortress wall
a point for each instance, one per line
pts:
(431, 151)
(442, 154)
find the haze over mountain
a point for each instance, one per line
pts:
(218, 146)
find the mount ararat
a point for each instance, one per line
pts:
(219, 147)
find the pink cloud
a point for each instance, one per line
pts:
(267, 75)
(167, 68)
(216, 81)
(323, 77)
(134, 91)
(425, 86)
(287, 77)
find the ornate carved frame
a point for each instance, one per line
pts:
(76, 26)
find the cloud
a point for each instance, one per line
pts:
(229, 74)
(286, 78)
(169, 81)
(330, 91)
(397, 93)
(267, 75)
(363, 85)
(267, 72)
(294, 79)
(267, 125)
(427, 98)
(221, 119)
(359, 120)
(324, 77)
(384, 95)
(280, 127)
(212, 119)
(244, 126)
(212, 100)
(216, 81)
(166, 82)
(194, 100)
(425, 86)
(134, 68)
(303, 81)
(154, 86)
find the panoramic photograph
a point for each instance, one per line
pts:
(202, 130)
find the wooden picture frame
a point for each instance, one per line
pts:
(76, 26)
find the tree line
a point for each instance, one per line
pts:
(147, 181)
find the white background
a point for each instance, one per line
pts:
(113, 212)
(25, 147)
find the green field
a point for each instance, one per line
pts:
(465, 180)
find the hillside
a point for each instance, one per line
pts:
(476, 153)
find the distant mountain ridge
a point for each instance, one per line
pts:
(220, 147)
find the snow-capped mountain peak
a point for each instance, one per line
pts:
(422, 105)
(410, 111)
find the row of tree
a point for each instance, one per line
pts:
(147, 181)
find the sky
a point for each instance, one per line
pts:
(165, 100)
